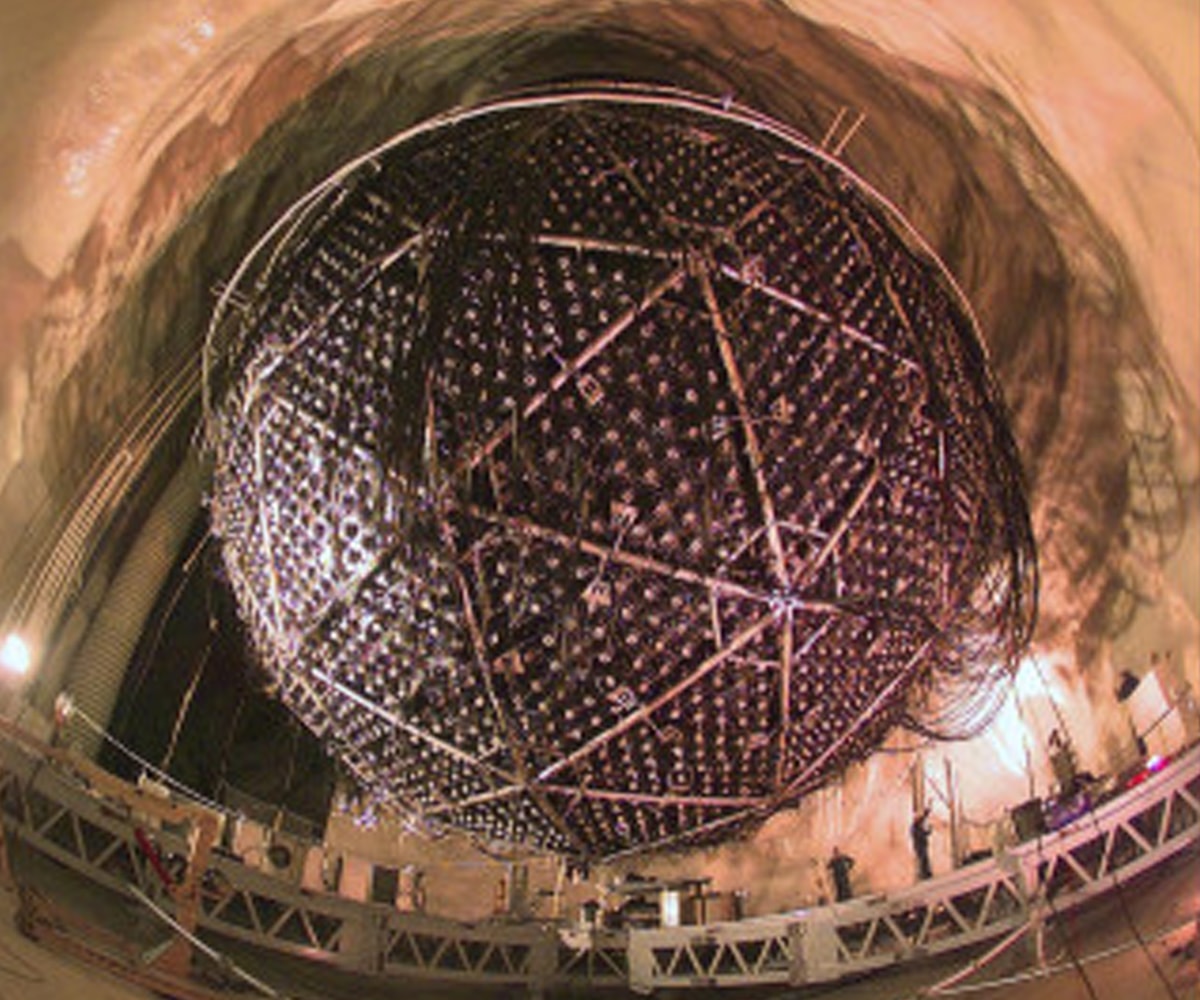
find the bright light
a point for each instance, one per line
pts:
(14, 654)
(64, 708)
(1034, 680)
(1008, 738)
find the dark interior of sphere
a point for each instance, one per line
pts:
(605, 471)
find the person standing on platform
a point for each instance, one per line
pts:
(919, 832)
(839, 868)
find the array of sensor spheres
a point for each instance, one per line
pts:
(604, 470)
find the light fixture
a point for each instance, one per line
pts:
(15, 656)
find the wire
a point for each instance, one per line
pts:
(945, 985)
(1047, 896)
(216, 806)
(1118, 884)
(1043, 887)
(1053, 970)
(221, 960)
(158, 773)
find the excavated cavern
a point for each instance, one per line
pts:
(1036, 170)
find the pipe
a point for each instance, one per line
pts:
(99, 664)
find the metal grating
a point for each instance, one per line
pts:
(604, 470)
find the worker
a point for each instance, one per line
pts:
(919, 832)
(839, 868)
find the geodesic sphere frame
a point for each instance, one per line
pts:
(603, 470)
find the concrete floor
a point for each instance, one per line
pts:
(30, 972)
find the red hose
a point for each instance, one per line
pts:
(153, 857)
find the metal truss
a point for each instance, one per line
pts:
(747, 952)
(1115, 842)
(66, 816)
(47, 810)
(592, 957)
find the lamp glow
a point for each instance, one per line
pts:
(14, 654)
